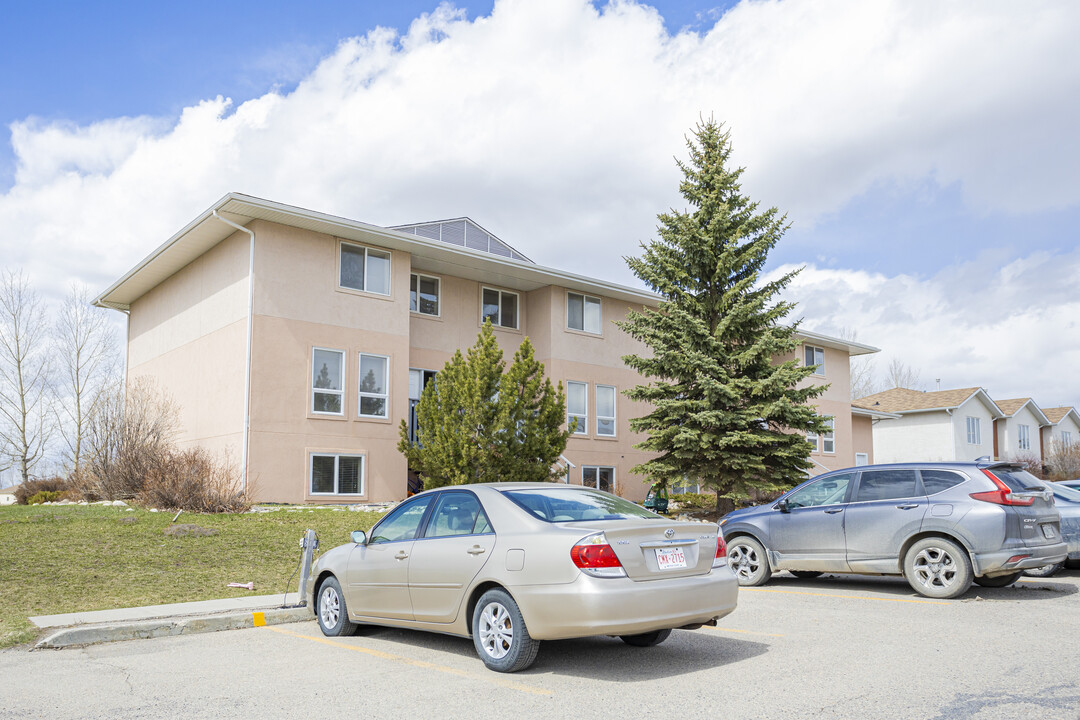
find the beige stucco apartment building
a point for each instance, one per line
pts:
(297, 342)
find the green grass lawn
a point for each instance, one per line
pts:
(58, 559)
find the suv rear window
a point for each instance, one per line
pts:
(935, 481)
(1016, 479)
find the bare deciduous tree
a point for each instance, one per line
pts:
(87, 355)
(26, 420)
(862, 368)
(900, 375)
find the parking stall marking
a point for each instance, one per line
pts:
(494, 679)
(845, 597)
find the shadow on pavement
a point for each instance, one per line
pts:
(1064, 583)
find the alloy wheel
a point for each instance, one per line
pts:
(496, 630)
(329, 607)
(935, 568)
(743, 560)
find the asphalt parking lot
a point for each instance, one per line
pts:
(833, 647)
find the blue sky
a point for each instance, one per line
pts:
(924, 152)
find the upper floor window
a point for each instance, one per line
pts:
(373, 382)
(974, 431)
(1023, 436)
(814, 357)
(327, 381)
(1066, 438)
(424, 294)
(577, 406)
(364, 268)
(828, 440)
(605, 410)
(501, 308)
(583, 313)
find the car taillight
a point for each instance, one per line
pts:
(594, 556)
(721, 551)
(1002, 496)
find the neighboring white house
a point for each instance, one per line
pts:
(7, 495)
(947, 425)
(1063, 427)
(1019, 434)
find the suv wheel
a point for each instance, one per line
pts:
(938, 568)
(747, 559)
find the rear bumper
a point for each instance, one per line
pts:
(997, 562)
(620, 606)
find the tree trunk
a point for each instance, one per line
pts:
(723, 505)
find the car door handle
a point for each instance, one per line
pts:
(401, 555)
(476, 550)
(908, 506)
(834, 511)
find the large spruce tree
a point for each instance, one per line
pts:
(479, 424)
(726, 412)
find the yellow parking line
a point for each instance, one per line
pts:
(846, 597)
(747, 632)
(510, 685)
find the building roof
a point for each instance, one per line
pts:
(1056, 415)
(874, 414)
(1015, 405)
(905, 400)
(491, 264)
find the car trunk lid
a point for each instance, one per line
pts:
(657, 549)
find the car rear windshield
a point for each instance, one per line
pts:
(564, 504)
(1016, 479)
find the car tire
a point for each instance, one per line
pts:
(999, 580)
(938, 568)
(806, 574)
(499, 633)
(1045, 570)
(646, 639)
(749, 561)
(1072, 564)
(331, 611)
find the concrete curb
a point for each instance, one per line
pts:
(112, 632)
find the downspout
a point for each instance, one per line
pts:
(247, 354)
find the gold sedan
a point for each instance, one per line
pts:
(511, 564)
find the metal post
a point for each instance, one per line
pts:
(309, 543)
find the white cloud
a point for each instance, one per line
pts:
(554, 124)
(1013, 329)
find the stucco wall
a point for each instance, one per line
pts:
(1008, 430)
(834, 402)
(915, 437)
(862, 437)
(962, 449)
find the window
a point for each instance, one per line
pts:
(402, 523)
(365, 269)
(1066, 438)
(601, 478)
(862, 459)
(583, 313)
(812, 438)
(886, 485)
(327, 381)
(501, 308)
(333, 474)
(815, 358)
(935, 481)
(830, 490)
(373, 382)
(457, 513)
(605, 410)
(974, 435)
(577, 406)
(424, 294)
(828, 440)
(1023, 436)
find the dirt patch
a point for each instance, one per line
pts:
(189, 530)
(128, 520)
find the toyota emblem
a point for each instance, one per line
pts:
(669, 533)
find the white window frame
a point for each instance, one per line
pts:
(367, 250)
(360, 394)
(864, 457)
(598, 468)
(326, 391)
(499, 316)
(585, 299)
(828, 439)
(1066, 438)
(1023, 437)
(812, 438)
(614, 410)
(583, 423)
(438, 294)
(819, 367)
(974, 430)
(360, 482)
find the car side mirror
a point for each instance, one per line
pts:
(782, 506)
(359, 537)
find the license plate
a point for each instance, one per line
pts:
(670, 558)
(1048, 531)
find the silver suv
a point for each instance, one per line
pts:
(940, 525)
